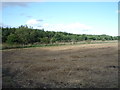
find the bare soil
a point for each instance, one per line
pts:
(73, 66)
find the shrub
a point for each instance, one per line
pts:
(11, 39)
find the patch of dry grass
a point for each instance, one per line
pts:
(81, 66)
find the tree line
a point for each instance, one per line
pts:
(26, 35)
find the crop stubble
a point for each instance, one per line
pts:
(74, 66)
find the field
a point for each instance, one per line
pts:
(71, 66)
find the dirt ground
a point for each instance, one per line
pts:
(73, 66)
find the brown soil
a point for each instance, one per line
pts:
(74, 66)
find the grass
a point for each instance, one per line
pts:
(13, 46)
(7, 46)
(68, 66)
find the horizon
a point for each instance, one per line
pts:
(56, 31)
(94, 18)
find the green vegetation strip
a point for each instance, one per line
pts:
(7, 46)
(26, 37)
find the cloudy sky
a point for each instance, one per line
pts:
(72, 17)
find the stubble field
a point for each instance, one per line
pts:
(72, 66)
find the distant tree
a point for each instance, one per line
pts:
(44, 40)
(27, 35)
(84, 37)
(12, 39)
(53, 40)
(103, 39)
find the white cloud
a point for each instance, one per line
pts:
(77, 26)
(33, 22)
(67, 26)
(71, 27)
(45, 25)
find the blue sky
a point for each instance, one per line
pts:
(72, 17)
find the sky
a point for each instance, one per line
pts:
(94, 18)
